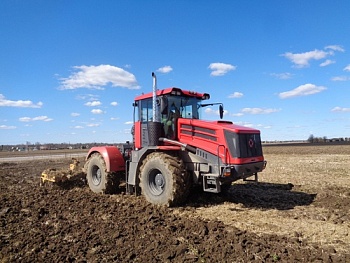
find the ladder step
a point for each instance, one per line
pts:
(211, 184)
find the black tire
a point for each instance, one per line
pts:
(164, 180)
(99, 180)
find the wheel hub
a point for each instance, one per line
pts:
(96, 176)
(156, 182)
(159, 180)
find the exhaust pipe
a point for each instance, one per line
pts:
(183, 145)
(155, 126)
(156, 117)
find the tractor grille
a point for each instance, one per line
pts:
(243, 145)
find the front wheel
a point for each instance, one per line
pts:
(163, 179)
(99, 180)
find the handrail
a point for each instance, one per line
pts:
(218, 154)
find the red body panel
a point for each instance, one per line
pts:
(209, 136)
(112, 156)
(137, 135)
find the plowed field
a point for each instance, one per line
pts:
(298, 212)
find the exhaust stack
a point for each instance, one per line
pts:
(156, 117)
(155, 126)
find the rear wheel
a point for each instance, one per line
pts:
(99, 180)
(163, 179)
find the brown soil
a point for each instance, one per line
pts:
(251, 223)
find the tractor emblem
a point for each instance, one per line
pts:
(251, 143)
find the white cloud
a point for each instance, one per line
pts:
(42, 118)
(39, 118)
(339, 109)
(18, 103)
(114, 103)
(335, 48)
(327, 62)
(216, 112)
(340, 78)
(92, 125)
(302, 59)
(285, 75)
(5, 127)
(89, 97)
(245, 124)
(97, 111)
(220, 69)
(302, 90)
(114, 118)
(95, 77)
(237, 114)
(75, 114)
(78, 127)
(259, 110)
(235, 95)
(93, 103)
(165, 69)
(347, 68)
(129, 122)
(25, 119)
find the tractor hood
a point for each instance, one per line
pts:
(229, 140)
(229, 125)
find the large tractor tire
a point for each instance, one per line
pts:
(99, 180)
(164, 180)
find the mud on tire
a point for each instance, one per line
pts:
(164, 180)
(99, 180)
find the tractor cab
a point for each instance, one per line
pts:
(161, 118)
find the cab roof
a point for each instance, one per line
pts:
(173, 91)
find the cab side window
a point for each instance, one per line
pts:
(146, 110)
(187, 112)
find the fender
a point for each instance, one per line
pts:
(112, 157)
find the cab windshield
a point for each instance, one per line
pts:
(178, 107)
(184, 107)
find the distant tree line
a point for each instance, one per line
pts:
(53, 146)
(48, 146)
(314, 139)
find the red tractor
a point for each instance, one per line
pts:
(174, 149)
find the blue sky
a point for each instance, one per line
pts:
(69, 70)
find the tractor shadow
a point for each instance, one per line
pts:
(260, 195)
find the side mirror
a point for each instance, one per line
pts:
(221, 111)
(164, 105)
